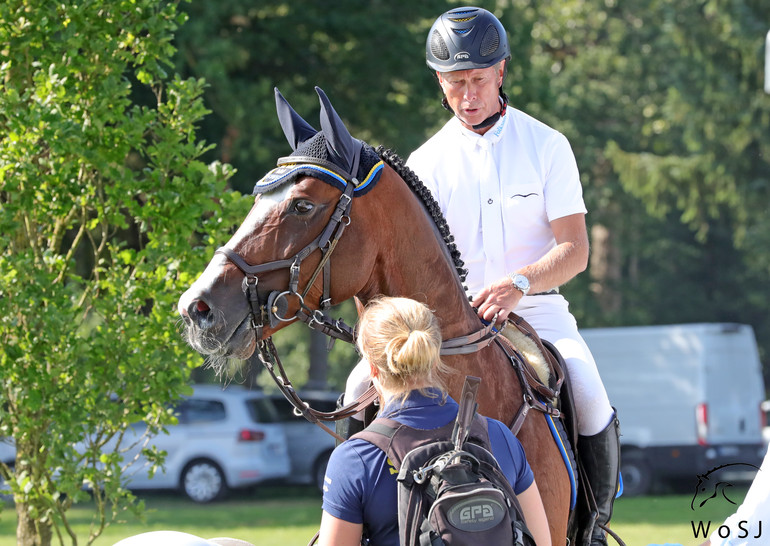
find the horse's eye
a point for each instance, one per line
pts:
(302, 206)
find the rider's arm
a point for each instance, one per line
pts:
(534, 515)
(338, 532)
(563, 262)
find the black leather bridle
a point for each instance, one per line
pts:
(273, 310)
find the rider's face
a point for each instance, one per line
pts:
(473, 94)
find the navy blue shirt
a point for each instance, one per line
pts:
(360, 484)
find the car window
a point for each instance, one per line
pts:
(262, 410)
(200, 411)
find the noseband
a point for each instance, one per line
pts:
(276, 306)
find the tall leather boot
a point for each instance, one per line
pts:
(600, 456)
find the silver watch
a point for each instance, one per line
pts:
(520, 282)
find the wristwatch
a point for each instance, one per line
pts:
(520, 282)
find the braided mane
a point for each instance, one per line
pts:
(423, 193)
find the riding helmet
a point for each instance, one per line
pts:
(464, 39)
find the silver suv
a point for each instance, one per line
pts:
(226, 438)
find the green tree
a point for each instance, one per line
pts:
(106, 212)
(368, 56)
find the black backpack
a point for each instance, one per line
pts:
(451, 490)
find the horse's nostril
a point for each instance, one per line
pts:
(198, 312)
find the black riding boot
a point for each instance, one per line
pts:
(600, 456)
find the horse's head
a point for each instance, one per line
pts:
(279, 261)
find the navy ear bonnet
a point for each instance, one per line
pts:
(331, 155)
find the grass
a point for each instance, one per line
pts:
(289, 516)
(665, 519)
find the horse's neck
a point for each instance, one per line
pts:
(419, 266)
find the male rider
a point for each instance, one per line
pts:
(509, 188)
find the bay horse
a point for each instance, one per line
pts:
(395, 243)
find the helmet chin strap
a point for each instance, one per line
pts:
(491, 120)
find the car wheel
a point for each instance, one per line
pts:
(320, 470)
(637, 476)
(203, 481)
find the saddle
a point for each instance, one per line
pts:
(544, 377)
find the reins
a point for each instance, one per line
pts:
(272, 363)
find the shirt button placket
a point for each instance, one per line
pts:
(491, 216)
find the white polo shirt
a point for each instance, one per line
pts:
(500, 190)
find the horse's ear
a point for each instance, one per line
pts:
(296, 129)
(343, 148)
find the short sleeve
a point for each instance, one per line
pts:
(562, 190)
(344, 484)
(510, 455)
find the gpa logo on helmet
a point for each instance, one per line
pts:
(462, 56)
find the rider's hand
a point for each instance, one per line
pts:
(499, 298)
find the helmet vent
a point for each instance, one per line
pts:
(462, 15)
(490, 43)
(438, 47)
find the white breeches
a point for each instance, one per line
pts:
(356, 385)
(550, 317)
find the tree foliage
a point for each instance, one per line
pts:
(107, 212)
(368, 56)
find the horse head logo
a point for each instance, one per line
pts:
(710, 486)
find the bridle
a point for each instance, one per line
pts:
(273, 310)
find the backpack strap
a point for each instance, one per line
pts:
(396, 439)
(382, 431)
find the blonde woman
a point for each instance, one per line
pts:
(400, 338)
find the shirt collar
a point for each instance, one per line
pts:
(415, 399)
(492, 136)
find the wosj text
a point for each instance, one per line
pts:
(701, 529)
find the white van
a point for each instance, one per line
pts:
(688, 398)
